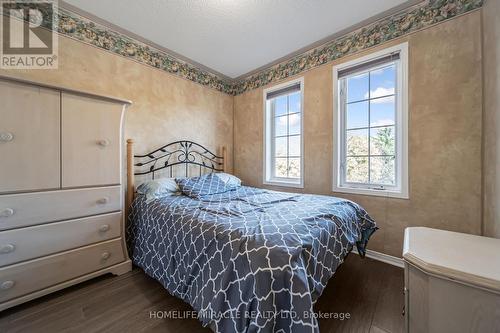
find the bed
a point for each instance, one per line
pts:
(246, 259)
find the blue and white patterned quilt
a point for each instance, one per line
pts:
(248, 260)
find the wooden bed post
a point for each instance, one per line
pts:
(130, 174)
(224, 156)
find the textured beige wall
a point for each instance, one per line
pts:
(445, 107)
(165, 108)
(491, 169)
(445, 123)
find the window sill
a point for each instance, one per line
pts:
(283, 183)
(372, 192)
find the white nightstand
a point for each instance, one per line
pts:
(452, 282)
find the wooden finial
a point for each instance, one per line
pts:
(130, 174)
(224, 161)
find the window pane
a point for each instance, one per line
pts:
(280, 124)
(357, 88)
(280, 106)
(382, 141)
(294, 168)
(280, 166)
(357, 142)
(382, 81)
(357, 115)
(294, 102)
(294, 145)
(281, 147)
(357, 169)
(294, 120)
(382, 111)
(382, 170)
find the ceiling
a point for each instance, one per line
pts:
(235, 37)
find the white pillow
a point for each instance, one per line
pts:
(230, 180)
(158, 188)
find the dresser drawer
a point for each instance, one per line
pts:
(38, 241)
(21, 210)
(27, 277)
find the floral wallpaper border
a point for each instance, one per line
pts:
(77, 27)
(419, 16)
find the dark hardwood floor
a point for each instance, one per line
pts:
(368, 290)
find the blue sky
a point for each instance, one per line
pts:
(382, 83)
(292, 143)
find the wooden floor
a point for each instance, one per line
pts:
(370, 291)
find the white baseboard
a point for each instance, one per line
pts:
(391, 260)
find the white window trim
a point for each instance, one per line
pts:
(267, 174)
(402, 191)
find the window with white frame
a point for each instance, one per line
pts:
(371, 121)
(283, 162)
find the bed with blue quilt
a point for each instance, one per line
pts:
(246, 259)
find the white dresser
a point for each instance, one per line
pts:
(61, 193)
(452, 282)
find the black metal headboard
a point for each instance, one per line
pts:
(187, 155)
(179, 153)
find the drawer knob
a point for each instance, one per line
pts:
(6, 136)
(7, 212)
(103, 201)
(105, 255)
(7, 248)
(103, 142)
(7, 285)
(104, 228)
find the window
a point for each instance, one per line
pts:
(283, 162)
(371, 125)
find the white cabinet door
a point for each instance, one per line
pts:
(29, 137)
(91, 141)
